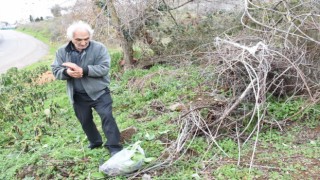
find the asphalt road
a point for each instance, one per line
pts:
(19, 50)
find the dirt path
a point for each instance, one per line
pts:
(19, 50)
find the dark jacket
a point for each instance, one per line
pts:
(95, 61)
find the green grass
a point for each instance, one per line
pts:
(35, 145)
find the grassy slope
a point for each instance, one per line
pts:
(141, 99)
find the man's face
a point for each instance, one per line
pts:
(81, 39)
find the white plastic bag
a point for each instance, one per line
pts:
(126, 161)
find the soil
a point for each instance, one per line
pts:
(127, 133)
(271, 160)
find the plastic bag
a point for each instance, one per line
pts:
(126, 161)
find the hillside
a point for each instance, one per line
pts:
(225, 98)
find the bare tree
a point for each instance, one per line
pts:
(56, 10)
(130, 18)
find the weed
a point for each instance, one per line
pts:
(234, 172)
(282, 109)
(39, 131)
(229, 146)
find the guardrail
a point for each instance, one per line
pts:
(7, 28)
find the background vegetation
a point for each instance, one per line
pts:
(212, 94)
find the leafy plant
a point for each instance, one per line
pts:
(284, 109)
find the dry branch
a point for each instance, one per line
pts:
(279, 58)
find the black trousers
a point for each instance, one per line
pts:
(83, 105)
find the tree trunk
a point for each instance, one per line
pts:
(127, 47)
(126, 40)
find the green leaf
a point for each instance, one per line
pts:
(149, 159)
(164, 132)
(137, 157)
(149, 137)
(98, 175)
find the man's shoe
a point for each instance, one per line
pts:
(112, 153)
(113, 149)
(93, 146)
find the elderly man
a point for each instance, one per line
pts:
(85, 64)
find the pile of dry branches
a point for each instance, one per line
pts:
(276, 54)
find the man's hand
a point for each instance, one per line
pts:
(73, 70)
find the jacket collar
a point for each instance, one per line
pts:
(70, 47)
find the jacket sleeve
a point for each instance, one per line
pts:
(102, 64)
(59, 71)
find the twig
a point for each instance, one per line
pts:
(234, 105)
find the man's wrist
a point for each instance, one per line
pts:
(85, 71)
(65, 72)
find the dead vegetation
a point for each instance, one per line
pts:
(44, 78)
(274, 55)
(270, 50)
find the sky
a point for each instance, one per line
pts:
(12, 11)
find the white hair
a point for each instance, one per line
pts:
(76, 26)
